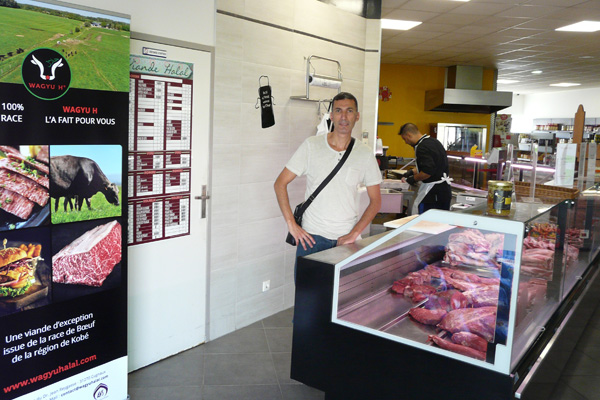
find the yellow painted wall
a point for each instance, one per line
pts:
(408, 84)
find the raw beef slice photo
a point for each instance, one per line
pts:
(89, 259)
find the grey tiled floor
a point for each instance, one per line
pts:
(253, 363)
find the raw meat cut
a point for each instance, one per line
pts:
(470, 340)
(482, 297)
(471, 247)
(464, 285)
(399, 286)
(457, 348)
(458, 300)
(531, 242)
(15, 203)
(16, 168)
(446, 300)
(481, 321)
(418, 292)
(89, 259)
(25, 187)
(427, 317)
(536, 291)
(537, 262)
(541, 257)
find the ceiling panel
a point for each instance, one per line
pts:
(513, 36)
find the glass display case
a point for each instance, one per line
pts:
(462, 137)
(461, 291)
(474, 172)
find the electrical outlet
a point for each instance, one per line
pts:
(266, 285)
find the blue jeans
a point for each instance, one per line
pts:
(321, 244)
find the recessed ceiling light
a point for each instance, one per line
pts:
(507, 81)
(565, 84)
(536, 72)
(398, 24)
(583, 26)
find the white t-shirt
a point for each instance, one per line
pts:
(334, 212)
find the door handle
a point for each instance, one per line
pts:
(205, 196)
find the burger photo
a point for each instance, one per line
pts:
(17, 269)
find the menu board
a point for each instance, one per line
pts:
(160, 140)
(64, 91)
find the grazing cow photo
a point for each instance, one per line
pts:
(75, 180)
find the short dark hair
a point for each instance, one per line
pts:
(408, 128)
(345, 96)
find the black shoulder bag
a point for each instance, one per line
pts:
(300, 208)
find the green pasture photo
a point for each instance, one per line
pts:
(97, 56)
(100, 208)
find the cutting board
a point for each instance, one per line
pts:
(35, 293)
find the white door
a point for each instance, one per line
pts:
(167, 281)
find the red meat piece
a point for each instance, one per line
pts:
(470, 340)
(427, 317)
(457, 348)
(481, 321)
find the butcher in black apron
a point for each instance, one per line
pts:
(431, 173)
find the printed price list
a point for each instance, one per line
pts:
(158, 219)
(160, 131)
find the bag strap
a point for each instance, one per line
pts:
(329, 178)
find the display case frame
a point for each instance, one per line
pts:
(429, 222)
(350, 363)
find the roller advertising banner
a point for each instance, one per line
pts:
(64, 110)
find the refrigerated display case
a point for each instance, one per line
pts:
(449, 300)
(461, 137)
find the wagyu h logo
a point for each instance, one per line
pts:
(54, 63)
(46, 74)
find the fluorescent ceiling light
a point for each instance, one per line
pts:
(536, 72)
(565, 84)
(583, 26)
(398, 24)
(507, 81)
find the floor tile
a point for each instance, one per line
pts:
(283, 366)
(247, 392)
(279, 339)
(282, 319)
(565, 392)
(239, 369)
(581, 364)
(185, 369)
(586, 386)
(166, 392)
(590, 336)
(301, 392)
(592, 352)
(245, 340)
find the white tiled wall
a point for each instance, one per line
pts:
(248, 232)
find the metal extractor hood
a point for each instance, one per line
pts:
(463, 93)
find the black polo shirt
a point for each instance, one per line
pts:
(432, 159)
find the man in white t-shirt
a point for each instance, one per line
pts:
(332, 218)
